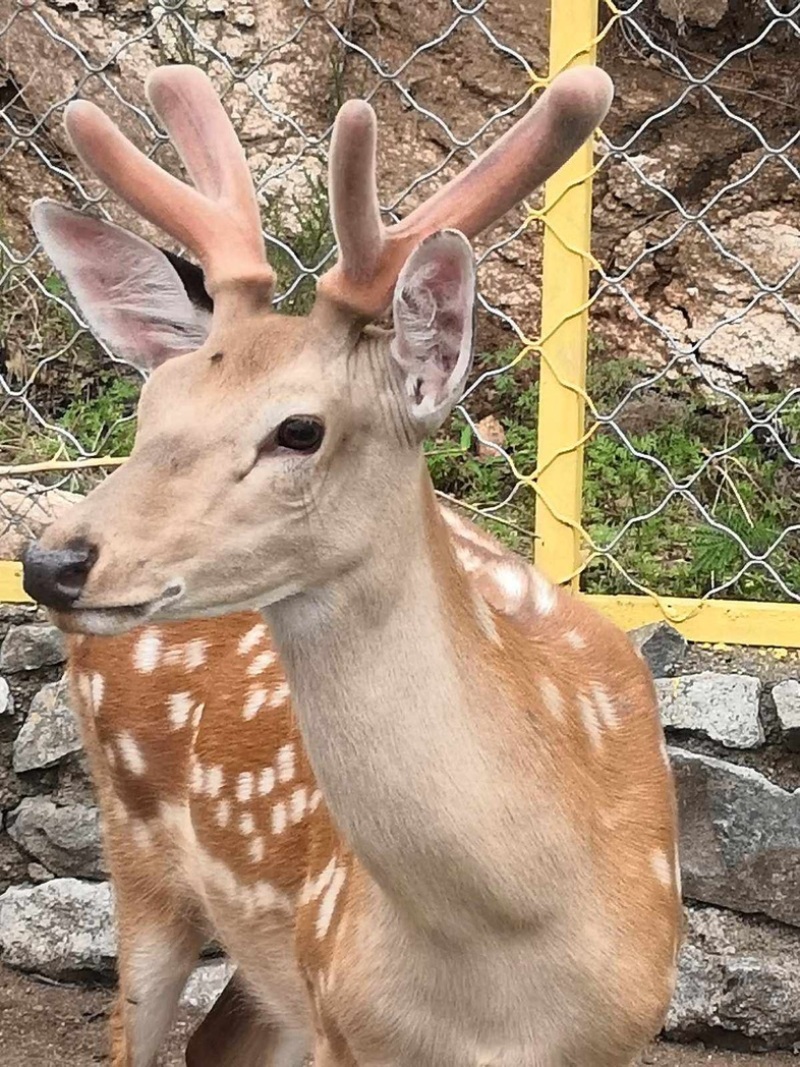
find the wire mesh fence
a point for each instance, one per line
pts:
(689, 447)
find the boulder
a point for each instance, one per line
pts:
(662, 647)
(65, 839)
(738, 983)
(6, 699)
(787, 705)
(206, 984)
(722, 707)
(63, 928)
(27, 648)
(49, 733)
(740, 837)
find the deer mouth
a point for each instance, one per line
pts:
(107, 620)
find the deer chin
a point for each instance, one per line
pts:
(109, 620)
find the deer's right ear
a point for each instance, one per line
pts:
(129, 292)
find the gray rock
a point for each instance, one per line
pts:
(738, 978)
(65, 840)
(662, 647)
(27, 648)
(206, 984)
(723, 707)
(6, 699)
(63, 928)
(740, 837)
(787, 704)
(49, 733)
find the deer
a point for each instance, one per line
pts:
(416, 791)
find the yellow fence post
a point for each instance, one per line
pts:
(565, 287)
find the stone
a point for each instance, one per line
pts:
(738, 978)
(6, 699)
(49, 733)
(63, 929)
(704, 13)
(205, 984)
(64, 839)
(722, 707)
(29, 647)
(662, 647)
(490, 432)
(740, 837)
(787, 705)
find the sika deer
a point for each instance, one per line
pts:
(457, 845)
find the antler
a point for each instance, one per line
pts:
(218, 219)
(371, 255)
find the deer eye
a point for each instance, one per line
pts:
(300, 433)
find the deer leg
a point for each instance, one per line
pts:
(157, 954)
(238, 1032)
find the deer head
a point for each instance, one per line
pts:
(267, 445)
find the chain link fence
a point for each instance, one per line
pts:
(690, 453)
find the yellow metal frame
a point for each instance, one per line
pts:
(563, 347)
(565, 321)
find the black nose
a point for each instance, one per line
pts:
(55, 577)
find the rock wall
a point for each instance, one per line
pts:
(733, 733)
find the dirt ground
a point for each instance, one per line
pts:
(51, 1025)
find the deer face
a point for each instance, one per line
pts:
(268, 449)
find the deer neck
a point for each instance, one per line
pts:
(384, 668)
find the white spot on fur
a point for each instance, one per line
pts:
(266, 781)
(179, 709)
(131, 754)
(198, 716)
(244, 787)
(147, 651)
(327, 905)
(298, 803)
(111, 756)
(279, 818)
(222, 813)
(544, 592)
(214, 780)
(575, 639)
(467, 558)
(512, 581)
(605, 706)
(253, 703)
(284, 763)
(315, 886)
(247, 824)
(253, 637)
(661, 867)
(257, 849)
(97, 688)
(552, 697)
(197, 780)
(280, 694)
(314, 802)
(261, 663)
(195, 653)
(589, 716)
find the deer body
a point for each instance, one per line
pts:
(456, 847)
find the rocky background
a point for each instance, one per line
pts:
(733, 723)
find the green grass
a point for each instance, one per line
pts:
(755, 492)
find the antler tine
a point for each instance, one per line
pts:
(218, 220)
(529, 153)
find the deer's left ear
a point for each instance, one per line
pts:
(434, 307)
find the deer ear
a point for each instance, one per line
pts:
(434, 308)
(129, 292)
